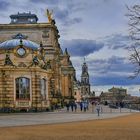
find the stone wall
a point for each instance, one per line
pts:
(44, 33)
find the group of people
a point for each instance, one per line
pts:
(72, 105)
(83, 106)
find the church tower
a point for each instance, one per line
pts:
(85, 85)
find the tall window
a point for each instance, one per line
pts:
(22, 88)
(43, 88)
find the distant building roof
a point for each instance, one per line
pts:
(23, 18)
(116, 88)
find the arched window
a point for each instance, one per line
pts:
(43, 88)
(22, 88)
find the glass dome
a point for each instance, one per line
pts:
(10, 44)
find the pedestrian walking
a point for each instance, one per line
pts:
(81, 106)
(85, 106)
(92, 103)
(98, 109)
(72, 105)
(67, 106)
(75, 106)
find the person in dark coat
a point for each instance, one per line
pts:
(67, 106)
(72, 105)
(81, 106)
(75, 106)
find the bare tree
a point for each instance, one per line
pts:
(134, 30)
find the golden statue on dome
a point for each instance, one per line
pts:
(49, 15)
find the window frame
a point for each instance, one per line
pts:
(23, 91)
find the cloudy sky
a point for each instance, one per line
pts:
(95, 29)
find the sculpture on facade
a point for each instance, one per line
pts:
(47, 65)
(8, 61)
(19, 36)
(35, 61)
(49, 15)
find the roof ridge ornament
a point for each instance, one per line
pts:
(84, 60)
(66, 52)
(21, 43)
(19, 36)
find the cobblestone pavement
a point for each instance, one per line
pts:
(60, 116)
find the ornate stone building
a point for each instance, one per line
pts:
(33, 68)
(114, 95)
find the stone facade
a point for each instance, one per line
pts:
(77, 91)
(45, 64)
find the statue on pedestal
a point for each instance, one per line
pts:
(35, 60)
(8, 60)
(47, 65)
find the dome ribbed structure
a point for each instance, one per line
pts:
(10, 44)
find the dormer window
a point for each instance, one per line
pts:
(23, 18)
(31, 20)
(14, 20)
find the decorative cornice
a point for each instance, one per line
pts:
(17, 26)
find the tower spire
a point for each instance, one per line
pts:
(85, 85)
(84, 60)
